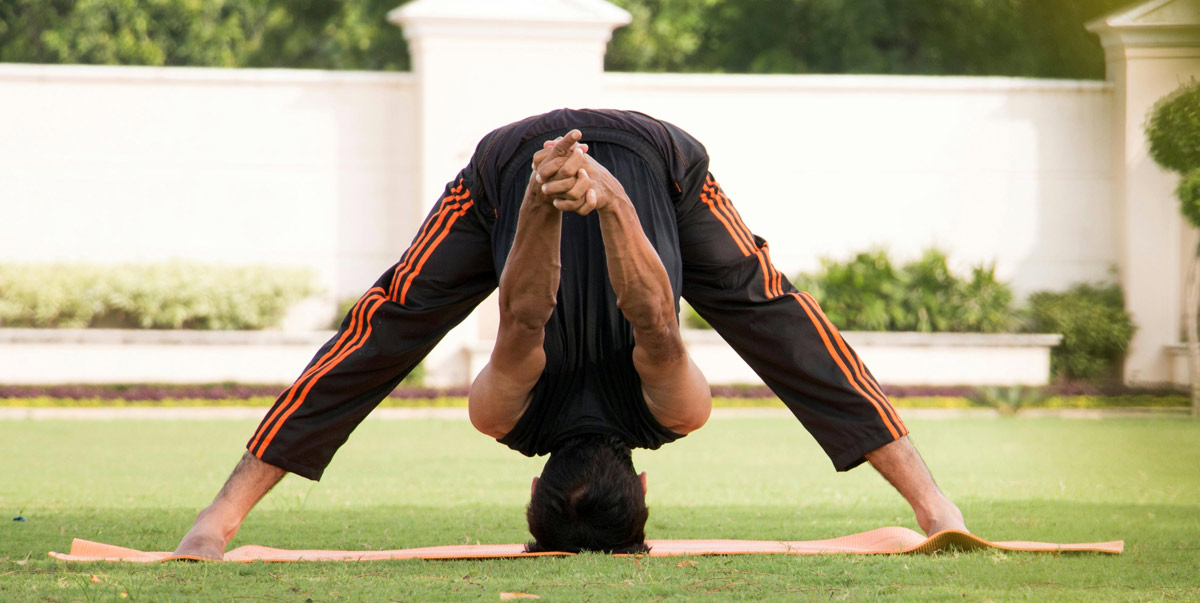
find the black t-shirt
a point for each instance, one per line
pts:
(589, 385)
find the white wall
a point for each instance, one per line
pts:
(320, 169)
(124, 164)
(324, 170)
(1014, 171)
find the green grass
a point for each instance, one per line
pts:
(1141, 401)
(416, 483)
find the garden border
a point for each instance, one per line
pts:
(47, 356)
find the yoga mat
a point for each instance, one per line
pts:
(891, 540)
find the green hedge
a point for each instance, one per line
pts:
(1095, 327)
(172, 295)
(869, 293)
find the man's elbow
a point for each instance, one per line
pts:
(529, 312)
(686, 422)
(488, 427)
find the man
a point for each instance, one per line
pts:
(592, 246)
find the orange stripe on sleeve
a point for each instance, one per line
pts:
(776, 277)
(845, 371)
(720, 217)
(433, 247)
(449, 203)
(771, 278)
(857, 364)
(733, 214)
(719, 202)
(356, 316)
(876, 396)
(766, 272)
(874, 386)
(377, 299)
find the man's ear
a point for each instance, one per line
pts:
(533, 486)
(641, 476)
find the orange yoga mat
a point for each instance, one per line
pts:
(890, 540)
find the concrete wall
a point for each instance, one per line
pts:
(320, 169)
(1012, 171)
(132, 164)
(1048, 179)
(324, 169)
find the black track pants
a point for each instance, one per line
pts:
(449, 269)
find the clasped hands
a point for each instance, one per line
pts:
(565, 176)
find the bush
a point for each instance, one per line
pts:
(867, 293)
(1095, 327)
(1173, 130)
(174, 295)
(1188, 193)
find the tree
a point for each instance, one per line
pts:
(316, 34)
(1173, 130)
(1036, 38)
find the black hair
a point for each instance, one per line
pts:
(589, 498)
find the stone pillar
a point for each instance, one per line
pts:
(481, 64)
(1151, 48)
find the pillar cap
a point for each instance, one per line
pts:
(526, 18)
(1152, 24)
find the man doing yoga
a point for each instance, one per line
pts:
(593, 224)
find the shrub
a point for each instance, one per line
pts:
(1188, 193)
(1007, 400)
(867, 293)
(1173, 129)
(173, 295)
(1095, 327)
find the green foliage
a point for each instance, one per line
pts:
(975, 37)
(1188, 192)
(692, 318)
(1007, 400)
(867, 293)
(965, 37)
(1095, 327)
(174, 295)
(1173, 129)
(319, 34)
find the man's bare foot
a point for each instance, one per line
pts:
(943, 515)
(207, 538)
(204, 546)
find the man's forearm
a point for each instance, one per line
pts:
(529, 283)
(635, 270)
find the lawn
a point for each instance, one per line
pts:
(412, 483)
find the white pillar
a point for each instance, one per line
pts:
(1151, 48)
(481, 64)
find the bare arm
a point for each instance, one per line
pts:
(528, 291)
(676, 392)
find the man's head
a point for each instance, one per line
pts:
(589, 498)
